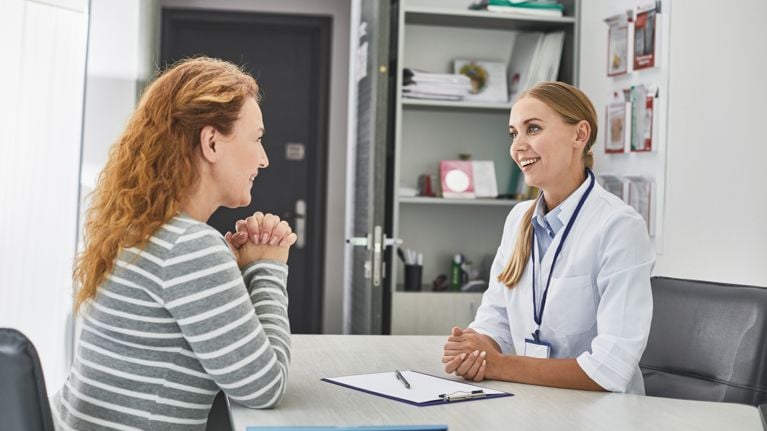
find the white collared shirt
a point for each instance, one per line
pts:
(599, 304)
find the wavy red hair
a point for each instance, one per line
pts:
(153, 165)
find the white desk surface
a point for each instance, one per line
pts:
(309, 401)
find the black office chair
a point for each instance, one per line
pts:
(23, 398)
(763, 411)
(218, 417)
(708, 341)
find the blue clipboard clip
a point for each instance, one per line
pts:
(461, 395)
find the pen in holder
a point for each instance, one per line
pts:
(413, 268)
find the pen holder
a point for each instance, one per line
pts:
(413, 278)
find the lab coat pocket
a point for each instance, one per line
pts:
(570, 307)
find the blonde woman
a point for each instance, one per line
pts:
(172, 312)
(569, 302)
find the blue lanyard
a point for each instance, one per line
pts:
(538, 315)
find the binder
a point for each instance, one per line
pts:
(425, 389)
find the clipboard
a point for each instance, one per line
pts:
(425, 389)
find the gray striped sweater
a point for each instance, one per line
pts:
(172, 325)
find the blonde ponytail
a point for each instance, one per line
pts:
(588, 157)
(521, 254)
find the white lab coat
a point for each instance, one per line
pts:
(599, 304)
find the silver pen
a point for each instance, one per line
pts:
(402, 379)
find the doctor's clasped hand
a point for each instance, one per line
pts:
(467, 353)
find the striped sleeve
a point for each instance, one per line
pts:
(267, 281)
(242, 345)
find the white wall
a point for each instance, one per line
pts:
(112, 74)
(716, 151)
(43, 45)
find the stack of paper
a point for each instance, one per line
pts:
(440, 86)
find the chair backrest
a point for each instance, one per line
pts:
(708, 341)
(23, 399)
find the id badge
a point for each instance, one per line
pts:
(537, 349)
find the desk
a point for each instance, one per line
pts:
(309, 401)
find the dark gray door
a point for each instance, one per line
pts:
(289, 56)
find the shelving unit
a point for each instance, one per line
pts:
(431, 34)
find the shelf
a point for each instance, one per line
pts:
(426, 290)
(457, 105)
(448, 17)
(441, 201)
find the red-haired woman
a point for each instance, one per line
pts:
(172, 311)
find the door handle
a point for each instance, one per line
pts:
(365, 241)
(300, 222)
(375, 242)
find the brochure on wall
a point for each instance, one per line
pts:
(640, 197)
(613, 184)
(488, 79)
(618, 43)
(645, 37)
(618, 122)
(642, 103)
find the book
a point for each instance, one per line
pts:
(468, 179)
(457, 179)
(485, 185)
(524, 55)
(524, 11)
(535, 57)
(536, 8)
(549, 58)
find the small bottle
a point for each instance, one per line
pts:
(456, 273)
